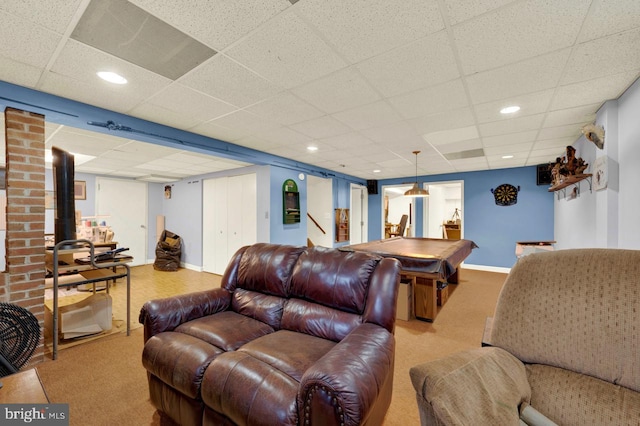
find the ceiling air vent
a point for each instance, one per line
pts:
(472, 153)
(124, 30)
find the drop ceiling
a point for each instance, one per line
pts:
(366, 82)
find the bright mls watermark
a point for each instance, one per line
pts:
(34, 414)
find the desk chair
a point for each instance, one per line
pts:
(398, 230)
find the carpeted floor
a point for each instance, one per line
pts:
(105, 384)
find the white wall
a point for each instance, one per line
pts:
(629, 154)
(608, 217)
(320, 207)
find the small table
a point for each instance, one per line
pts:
(23, 387)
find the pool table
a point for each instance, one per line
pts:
(425, 262)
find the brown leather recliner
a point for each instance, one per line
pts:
(294, 335)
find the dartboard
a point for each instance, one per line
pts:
(505, 194)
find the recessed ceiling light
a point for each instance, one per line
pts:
(510, 109)
(377, 171)
(112, 77)
(312, 148)
(506, 157)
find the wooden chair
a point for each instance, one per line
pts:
(398, 230)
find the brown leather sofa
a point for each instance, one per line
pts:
(294, 335)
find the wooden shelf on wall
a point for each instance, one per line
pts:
(570, 180)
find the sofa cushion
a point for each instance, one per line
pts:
(290, 352)
(227, 330)
(263, 307)
(267, 268)
(334, 278)
(570, 398)
(249, 391)
(164, 356)
(310, 318)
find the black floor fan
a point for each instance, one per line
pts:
(19, 337)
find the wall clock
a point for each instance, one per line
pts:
(505, 194)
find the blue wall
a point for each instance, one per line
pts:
(493, 228)
(295, 233)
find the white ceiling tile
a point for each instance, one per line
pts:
(75, 71)
(522, 149)
(228, 81)
(354, 26)
(497, 162)
(217, 24)
(162, 115)
(54, 15)
(550, 153)
(577, 115)
(607, 17)
(285, 135)
(285, 108)
(531, 75)
(513, 125)
(459, 146)
(248, 122)
(352, 139)
(431, 100)
(339, 91)
(445, 137)
(287, 52)
(25, 42)
(187, 158)
(592, 91)
(530, 104)
(518, 31)
(321, 127)
(390, 133)
(19, 73)
(567, 131)
(511, 138)
(613, 54)
(557, 144)
(366, 116)
(186, 101)
(459, 11)
(426, 62)
(462, 117)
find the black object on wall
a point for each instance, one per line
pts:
(372, 186)
(63, 177)
(543, 174)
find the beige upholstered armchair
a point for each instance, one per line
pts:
(564, 342)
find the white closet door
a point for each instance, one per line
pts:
(208, 226)
(229, 219)
(124, 202)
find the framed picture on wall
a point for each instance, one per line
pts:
(600, 173)
(80, 189)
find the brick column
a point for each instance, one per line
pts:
(23, 280)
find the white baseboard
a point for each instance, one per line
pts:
(191, 267)
(487, 268)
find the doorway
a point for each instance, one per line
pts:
(444, 205)
(320, 225)
(395, 204)
(358, 224)
(122, 204)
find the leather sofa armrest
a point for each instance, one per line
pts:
(479, 386)
(161, 315)
(345, 384)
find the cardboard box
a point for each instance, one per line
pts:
(404, 309)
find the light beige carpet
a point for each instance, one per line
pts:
(105, 384)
